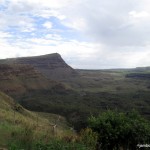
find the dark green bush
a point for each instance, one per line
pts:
(117, 130)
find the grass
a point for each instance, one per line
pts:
(108, 81)
(20, 125)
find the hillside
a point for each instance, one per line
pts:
(75, 94)
(18, 79)
(114, 81)
(52, 66)
(94, 91)
(15, 120)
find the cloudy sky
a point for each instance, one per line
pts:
(89, 34)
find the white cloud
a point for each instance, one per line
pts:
(78, 54)
(105, 34)
(24, 23)
(76, 23)
(47, 13)
(110, 22)
(142, 14)
(8, 51)
(56, 37)
(5, 35)
(48, 25)
(49, 3)
(42, 41)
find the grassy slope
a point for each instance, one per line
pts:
(14, 118)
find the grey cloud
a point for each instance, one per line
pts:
(109, 22)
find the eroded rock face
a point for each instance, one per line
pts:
(17, 70)
(17, 79)
(52, 65)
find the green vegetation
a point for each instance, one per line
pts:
(77, 107)
(74, 94)
(27, 137)
(61, 145)
(46, 84)
(21, 128)
(111, 130)
(89, 138)
(116, 130)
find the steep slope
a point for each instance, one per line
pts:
(18, 79)
(17, 123)
(52, 65)
(7, 108)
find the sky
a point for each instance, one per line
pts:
(88, 34)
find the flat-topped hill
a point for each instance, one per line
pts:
(51, 65)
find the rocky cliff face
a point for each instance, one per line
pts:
(18, 79)
(52, 66)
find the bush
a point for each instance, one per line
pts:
(89, 138)
(120, 130)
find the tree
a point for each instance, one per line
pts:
(120, 130)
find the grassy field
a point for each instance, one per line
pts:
(109, 81)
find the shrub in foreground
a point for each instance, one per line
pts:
(120, 130)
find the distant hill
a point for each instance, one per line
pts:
(51, 65)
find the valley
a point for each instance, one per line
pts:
(46, 83)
